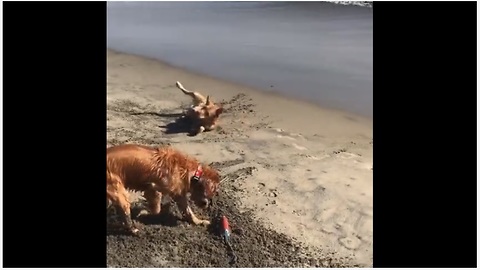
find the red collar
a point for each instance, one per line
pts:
(198, 173)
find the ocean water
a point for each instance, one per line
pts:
(316, 51)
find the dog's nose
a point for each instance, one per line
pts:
(204, 203)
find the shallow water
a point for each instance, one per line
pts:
(317, 51)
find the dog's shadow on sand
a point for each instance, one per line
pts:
(180, 125)
(165, 115)
(164, 218)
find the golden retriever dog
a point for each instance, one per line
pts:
(156, 172)
(204, 112)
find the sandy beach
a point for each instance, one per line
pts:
(300, 171)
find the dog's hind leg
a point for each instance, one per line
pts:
(117, 193)
(182, 202)
(154, 199)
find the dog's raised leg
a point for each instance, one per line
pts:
(187, 212)
(197, 97)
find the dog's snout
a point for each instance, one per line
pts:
(204, 203)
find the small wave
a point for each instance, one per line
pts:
(354, 3)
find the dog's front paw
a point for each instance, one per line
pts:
(200, 222)
(204, 222)
(134, 232)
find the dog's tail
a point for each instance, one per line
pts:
(195, 96)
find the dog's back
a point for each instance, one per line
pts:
(138, 166)
(130, 164)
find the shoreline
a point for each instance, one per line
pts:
(300, 169)
(250, 89)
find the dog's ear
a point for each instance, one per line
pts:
(219, 111)
(208, 100)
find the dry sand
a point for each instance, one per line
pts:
(311, 169)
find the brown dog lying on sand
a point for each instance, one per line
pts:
(157, 172)
(204, 112)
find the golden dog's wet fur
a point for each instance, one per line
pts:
(204, 112)
(157, 172)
